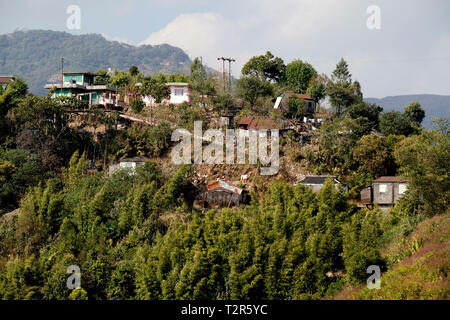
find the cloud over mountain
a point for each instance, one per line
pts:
(400, 58)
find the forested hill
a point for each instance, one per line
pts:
(433, 104)
(36, 56)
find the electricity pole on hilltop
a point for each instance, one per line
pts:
(223, 71)
(229, 71)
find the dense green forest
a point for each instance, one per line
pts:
(135, 237)
(138, 236)
(36, 56)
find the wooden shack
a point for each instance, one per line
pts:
(366, 197)
(221, 193)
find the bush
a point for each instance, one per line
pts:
(360, 245)
(137, 105)
(78, 294)
(19, 169)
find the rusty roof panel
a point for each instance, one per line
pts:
(246, 120)
(298, 95)
(392, 179)
(224, 185)
(6, 79)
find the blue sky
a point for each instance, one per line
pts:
(409, 54)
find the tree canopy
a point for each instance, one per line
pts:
(266, 67)
(298, 75)
(251, 87)
(341, 90)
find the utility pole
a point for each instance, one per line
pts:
(229, 72)
(62, 75)
(223, 71)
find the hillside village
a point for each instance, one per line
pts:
(88, 88)
(93, 159)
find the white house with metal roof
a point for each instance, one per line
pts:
(179, 92)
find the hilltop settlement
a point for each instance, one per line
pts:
(87, 179)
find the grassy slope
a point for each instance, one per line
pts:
(422, 269)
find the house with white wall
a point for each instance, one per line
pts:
(385, 191)
(179, 92)
(129, 163)
(82, 86)
(282, 102)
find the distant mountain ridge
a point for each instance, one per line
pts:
(36, 55)
(433, 104)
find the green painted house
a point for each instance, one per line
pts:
(81, 85)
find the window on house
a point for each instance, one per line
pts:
(402, 188)
(178, 92)
(383, 188)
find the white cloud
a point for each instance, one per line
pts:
(252, 27)
(199, 34)
(118, 39)
(320, 32)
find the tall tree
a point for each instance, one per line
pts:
(341, 90)
(415, 113)
(426, 158)
(372, 155)
(396, 123)
(360, 244)
(266, 67)
(198, 75)
(19, 87)
(363, 110)
(250, 88)
(202, 86)
(134, 71)
(298, 75)
(156, 88)
(316, 88)
(102, 77)
(341, 75)
(120, 79)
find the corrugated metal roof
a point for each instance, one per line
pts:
(265, 123)
(82, 72)
(181, 84)
(254, 123)
(6, 79)
(65, 85)
(221, 184)
(298, 95)
(317, 179)
(246, 120)
(136, 159)
(101, 87)
(392, 179)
